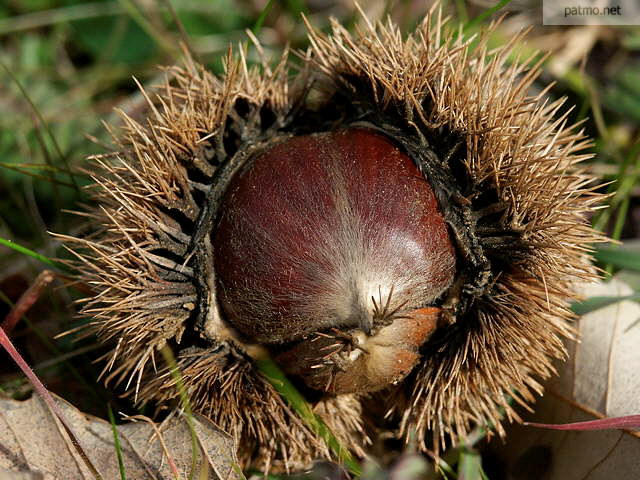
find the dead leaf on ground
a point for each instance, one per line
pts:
(600, 379)
(33, 445)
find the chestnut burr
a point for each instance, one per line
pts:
(399, 223)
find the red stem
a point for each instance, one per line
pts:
(626, 422)
(46, 397)
(26, 300)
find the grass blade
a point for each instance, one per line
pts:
(138, 17)
(596, 303)
(186, 405)
(263, 16)
(470, 466)
(281, 383)
(116, 443)
(51, 179)
(36, 111)
(618, 257)
(474, 22)
(30, 253)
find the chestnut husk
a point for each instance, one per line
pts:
(503, 166)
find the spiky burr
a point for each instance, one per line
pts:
(380, 143)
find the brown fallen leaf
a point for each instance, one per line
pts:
(33, 445)
(600, 379)
(12, 475)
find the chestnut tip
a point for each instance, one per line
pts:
(355, 362)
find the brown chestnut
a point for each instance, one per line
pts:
(335, 231)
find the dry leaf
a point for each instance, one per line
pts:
(601, 378)
(33, 445)
(12, 475)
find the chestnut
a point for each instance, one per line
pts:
(334, 232)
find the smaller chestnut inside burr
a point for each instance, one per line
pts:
(331, 250)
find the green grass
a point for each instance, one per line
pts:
(185, 405)
(28, 252)
(116, 443)
(297, 402)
